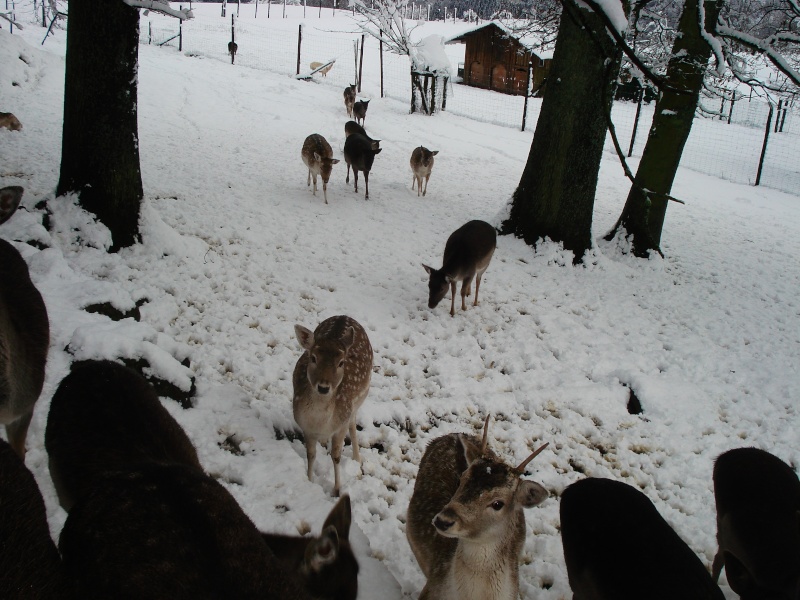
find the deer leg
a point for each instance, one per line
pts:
(366, 184)
(348, 174)
(17, 431)
(337, 442)
(354, 439)
(315, 184)
(311, 454)
(427, 177)
(413, 183)
(452, 298)
(309, 178)
(466, 289)
(477, 287)
(325, 191)
(355, 176)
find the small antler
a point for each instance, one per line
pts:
(485, 435)
(521, 468)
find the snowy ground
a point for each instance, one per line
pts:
(236, 250)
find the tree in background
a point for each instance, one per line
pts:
(555, 196)
(100, 143)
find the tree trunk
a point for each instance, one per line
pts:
(645, 208)
(555, 196)
(100, 145)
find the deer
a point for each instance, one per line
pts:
(359, 154)
(30, 564)
(757, 498)
(316, 65)
(233, 48)
(9, 121)
(421, 166)
(318, 157)
(467, 254)
(327, 561)
(360, 111)
(24, 334)
(466, 521)
(350, 99)
(331, 381)
(618, 547)
(107, 429)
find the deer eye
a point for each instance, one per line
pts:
(341, 363)
(497, 504)
(313, 359)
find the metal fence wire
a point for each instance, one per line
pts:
(752, 144)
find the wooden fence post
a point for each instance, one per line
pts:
(636, 121)
(299, 44)
(381, 52)
(361, 62)
(527, 94)
(764, 147)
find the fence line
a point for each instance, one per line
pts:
(731, 151)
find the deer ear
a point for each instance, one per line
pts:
(317, 157)
(334, 161)
(10, 198)
(530, 493)
(323, 550)
(349, 337)
(435, 152)
(472, 451)
(340, 517)
(304, 336)
(430, 270)
(378, 151)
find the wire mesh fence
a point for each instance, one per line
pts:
(735, 150)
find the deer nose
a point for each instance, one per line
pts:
(442, 524)
(323, 389)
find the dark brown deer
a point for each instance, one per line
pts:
(24, 335)
(326, 561)
(30, 566)
(758, 524)
(421, 166)
(9, 121)
(360, 111)
(465, 523)
(618, 547)
(467, 254)
(331, 381)
(359, 154)
(350, 99)
(233, 48)
(105, 417)
(318, 157)
(352, 127)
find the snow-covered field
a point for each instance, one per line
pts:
(236, 251)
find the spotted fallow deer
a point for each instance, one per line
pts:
(331, 381)
(318, 157)
(465, 521)
(349, 99)
(421, 165)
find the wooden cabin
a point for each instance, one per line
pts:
(495, 59)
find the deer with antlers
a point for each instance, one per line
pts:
(465, 521)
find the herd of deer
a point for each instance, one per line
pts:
(146, 521)
(359, 152)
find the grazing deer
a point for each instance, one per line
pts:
(30, 566)
(324, 71)
(465, 521)
(617, 547)
(467, 254)
(326, 563)
(233, 47)
(24, 335)
(758, 524)
(421, 166)
(9, 121)
(360, 111)
(359, 154)
(106, 417)
(318, 157)
(156, 530)
(331, 380)
(350, 99)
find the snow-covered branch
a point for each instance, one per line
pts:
(161, 6)
(765, 47)
(7, 17)
(384, 21)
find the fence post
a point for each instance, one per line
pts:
(730, 112)
(269, 4)
(444, 93)
(361, 62)
(284, 9)
(180, 32)
(256, 15)
(224, 2)
(778, 118)
(44, 16)
(527, 94)
(636, 121)
(764, 147)
(149, 32)
(783, 117)
(355, 63)
(299, 44)
(381, 51)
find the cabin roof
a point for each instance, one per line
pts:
(527, 40)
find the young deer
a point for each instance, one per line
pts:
(467, 254)
(324, 71)
(359, 154)
(318, 157)
(360, 111)
(617, 547)
(352, 127)
(9, 121)
(758, 524)
(421, 166)
(30, 566)
(326, 562)
(350, 99)
(24, 335)
(465, 521)
(106, 417)
(331, 380)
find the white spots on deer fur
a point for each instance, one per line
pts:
(488, 470)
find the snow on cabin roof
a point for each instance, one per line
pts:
(530, 41)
